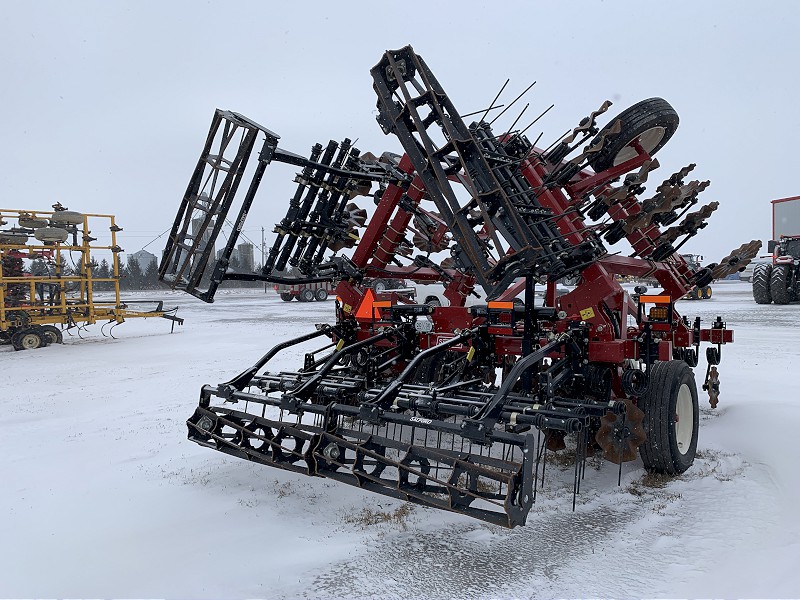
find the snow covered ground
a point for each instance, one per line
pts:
(102, 495)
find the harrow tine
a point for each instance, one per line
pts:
(496, 98)
(519, 116)
(514, 101)
(529, 125)
(540, 445)
(547, 435)
(580, 458)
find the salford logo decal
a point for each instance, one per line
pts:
(441, 339)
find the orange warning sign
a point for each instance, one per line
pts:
(369, 309)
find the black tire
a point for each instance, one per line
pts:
(433, 301)
(52, 334)
(651, 121)
(761, 283)
(670, 447)
(428, 370)
(380, 286)
(286, 297)
(27, 339)
(321, 294)
(306, 295)
(780, 283)
(707, 293)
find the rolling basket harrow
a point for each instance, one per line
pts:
(456, 407)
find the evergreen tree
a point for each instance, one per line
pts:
(103, 272)
(94, 267)
(151, 276)
(122, 271)
(39, 268)
(77, 269)
(135, 275)
(66, 267)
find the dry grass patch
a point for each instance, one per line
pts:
(368, 517)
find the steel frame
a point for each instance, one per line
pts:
(396, 383)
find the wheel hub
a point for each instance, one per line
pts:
(30, 341)
(684, 424)
(648, 140)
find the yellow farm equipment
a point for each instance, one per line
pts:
(63, 292)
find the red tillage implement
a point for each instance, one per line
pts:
(456, 407)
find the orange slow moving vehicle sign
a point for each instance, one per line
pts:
(369, 309)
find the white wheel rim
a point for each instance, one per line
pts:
(29, 342)
(648, 140)
(684, 419)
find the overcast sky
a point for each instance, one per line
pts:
(106, 105)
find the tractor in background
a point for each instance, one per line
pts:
(779, 281)
(697, 293)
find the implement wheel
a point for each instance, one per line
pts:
(306, 295)
(321, 294)
(433, 301)
(27, 339)
(286, 297)
(380, 286)
(51, 334)
(671, 418)
(780, 283)
(762, 274)
(650, 123)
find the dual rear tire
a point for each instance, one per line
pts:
(762, 277)
(781, 284)
(773, 284)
